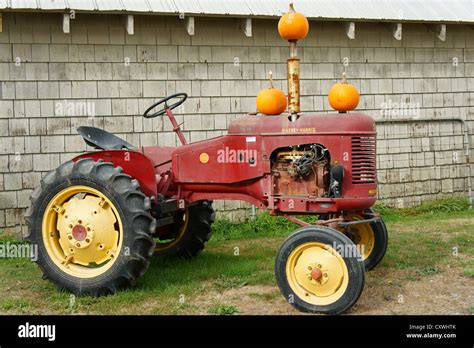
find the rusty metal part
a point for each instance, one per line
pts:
(317, 223)
(328, 222)
(288, 182)
(333, 223)
(358, 222)
(290, 155)
(293, 85)
(296, 220)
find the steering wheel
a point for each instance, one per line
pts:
(182, 97)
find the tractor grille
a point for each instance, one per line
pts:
(363, 160)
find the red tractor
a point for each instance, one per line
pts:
(99, 218)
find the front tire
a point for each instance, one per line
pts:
(92, 227)
(372, 236)
(319, 270)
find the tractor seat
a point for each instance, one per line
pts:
(101, 139)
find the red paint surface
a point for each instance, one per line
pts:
(178, 172)
(133, 163)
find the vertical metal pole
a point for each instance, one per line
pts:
(293, 82)
(467, 145)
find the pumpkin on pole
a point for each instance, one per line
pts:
(293, 26)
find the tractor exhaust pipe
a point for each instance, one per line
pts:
(293, 82)
(293, 26)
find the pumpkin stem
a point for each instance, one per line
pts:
(292, 9)
(344, 77)
(270, 74)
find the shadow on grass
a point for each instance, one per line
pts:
(165, 274)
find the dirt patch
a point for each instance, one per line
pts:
(448, 292)
(250, 299)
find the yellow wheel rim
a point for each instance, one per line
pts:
(162, 245)
(82, 231)
(312, 258)
(362, 235)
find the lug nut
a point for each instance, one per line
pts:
(69, 237)
(78, 245)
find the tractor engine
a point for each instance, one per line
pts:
(301, 171)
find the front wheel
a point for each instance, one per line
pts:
(371, 237)
(319, 270)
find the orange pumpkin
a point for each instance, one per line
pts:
(293, 25)
(343, 96)
(271, 101)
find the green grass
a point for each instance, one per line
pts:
(471, 309)
(223, 283)
(441, 208)
(423, 241)
(223, 309)
(264, 226)
(15, 304)
(427, 271)
(469, 272)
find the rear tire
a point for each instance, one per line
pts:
(192, 233)
(130, 207)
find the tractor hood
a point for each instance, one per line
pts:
(307, 123)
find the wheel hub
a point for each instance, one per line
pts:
(318, 270)
(79, 233)
(316, 274)
(87, 230)
(80, 236)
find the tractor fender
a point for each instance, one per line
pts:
(133, 163)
